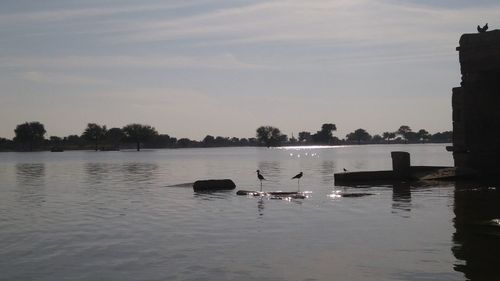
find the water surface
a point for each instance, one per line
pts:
(82, 215)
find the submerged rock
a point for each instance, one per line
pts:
(207, 185)
(354, 195)
(274, 194)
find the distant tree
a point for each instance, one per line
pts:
(235, 141)
(412, 137)
(268, 136)
(172, 142)
(244, 142)
(138, 133)
(30, 133)
(6, 144)
(55, 140)
(283, 138)
(446, 136)
(335, 140)
(94, 133)
(423, 135)
(377, 139)
(162, 141)
(114, 136)
(359, 135)
(208, 141)
(325, 135)
(388, 136)
(304, 137)
(403, 131)
(222, 141)
(253, 142)
(184, 142)
(72, 140)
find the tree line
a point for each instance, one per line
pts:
(271, 136)
(30, 136)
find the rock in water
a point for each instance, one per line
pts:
(207, 185)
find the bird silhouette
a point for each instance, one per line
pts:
(298, 176)
(482, 29)
(345, 170)
(261, 178)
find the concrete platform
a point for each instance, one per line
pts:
(402, 171)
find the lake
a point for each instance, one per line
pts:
(83, 215)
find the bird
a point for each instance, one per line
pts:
(482, 29)
(345, 170)
(298, 176)
(261, 178)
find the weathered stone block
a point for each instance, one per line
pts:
(401, 164)
(207, 185)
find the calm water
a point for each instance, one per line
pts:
(116, 216)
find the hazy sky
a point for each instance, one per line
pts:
(192, 68)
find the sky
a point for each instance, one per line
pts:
(226, 67)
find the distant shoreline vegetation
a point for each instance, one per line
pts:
(30, 136)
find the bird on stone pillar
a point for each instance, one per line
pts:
(482, 29)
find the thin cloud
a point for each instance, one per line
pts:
(84, 13)
(220, 62)
(61, 79)
(375, 21)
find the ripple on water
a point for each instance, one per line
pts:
(116, 216)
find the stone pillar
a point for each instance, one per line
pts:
(401, 164)
(476, 104)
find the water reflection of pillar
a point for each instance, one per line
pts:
(327, 168)
(476, 237)
(401, 197)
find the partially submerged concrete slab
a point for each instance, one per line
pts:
(402, 171)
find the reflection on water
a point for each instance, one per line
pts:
(271, 170)
(401, 198)
(30, 174)
(260, 207)
(477, 236)
(135, 172)
(140, 172)
(327, 169)
(113, 216)
(213, 195)
(97, 173)
(31, 182)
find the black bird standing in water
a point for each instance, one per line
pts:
(298, 176)
(482, 29)
(261, 178)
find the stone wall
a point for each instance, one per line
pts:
(476, 104)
